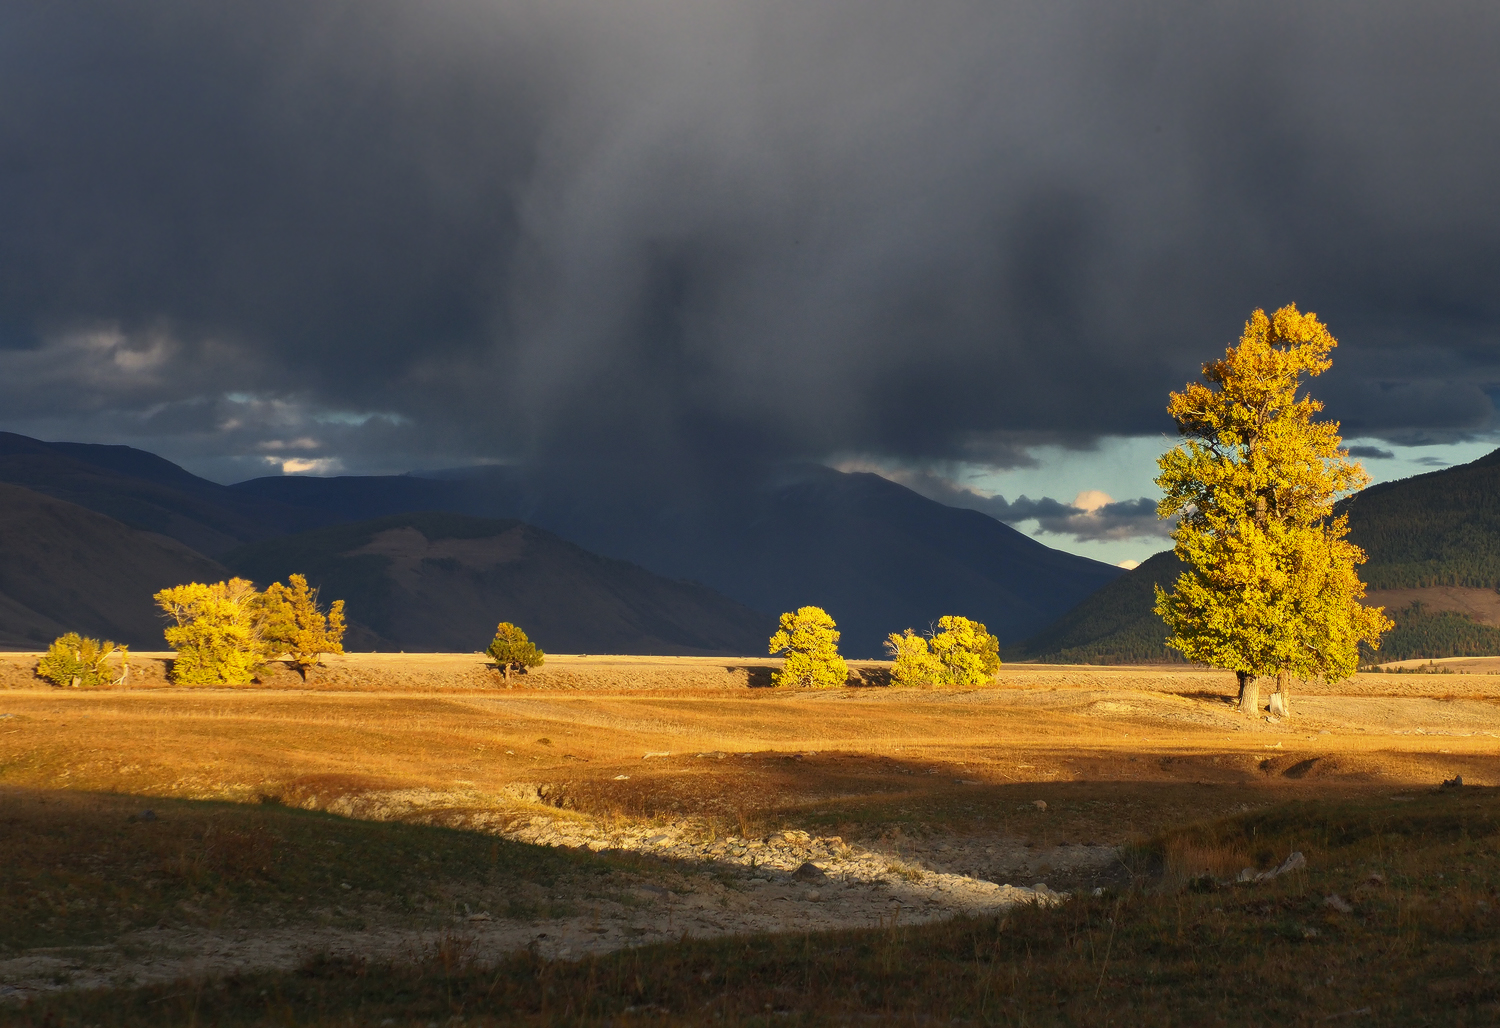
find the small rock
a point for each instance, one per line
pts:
(1039, 804)
(1338, 903)
(656, 840)
(1456, 782)
(813, 896)
(623, 778)
(145, 815)
(648, 756)
(346, 886)
(809, 872)
(481, 916)
(1295, 862)
(1375, 878)
(966, 781)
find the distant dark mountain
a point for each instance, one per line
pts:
(1116, 625)
(140, 490)
(876, 555)
(64, 568)
(441, 582)
(1433, 543)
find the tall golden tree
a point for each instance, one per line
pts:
(290, 624)
(1272, 585)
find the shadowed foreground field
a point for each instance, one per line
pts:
(350, 855)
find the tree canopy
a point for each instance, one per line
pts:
(512, 651)
(1272, 584)
(225, 632)
(963, 652)
(213, 631)
(74, 660)
(810, 640)
(290, 624)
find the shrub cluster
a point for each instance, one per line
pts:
(960, 652)
(225, 632)
(75, 660)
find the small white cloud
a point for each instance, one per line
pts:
(1129, 565)
(1091, 500)
(307, 465)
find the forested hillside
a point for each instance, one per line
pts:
(1441, 528)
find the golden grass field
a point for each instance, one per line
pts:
(915, 794)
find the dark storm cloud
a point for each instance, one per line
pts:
(1370, 453)
(393, 234)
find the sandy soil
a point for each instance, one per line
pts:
(767, 809)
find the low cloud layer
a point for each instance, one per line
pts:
(376, 235)
(1093, 516)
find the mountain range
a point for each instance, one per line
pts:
(596, 564)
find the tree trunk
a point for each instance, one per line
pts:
(505, 670)
(1281, 700)
(1249, 694)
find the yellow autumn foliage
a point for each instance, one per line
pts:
(290, 625)
(213, 631)
(1272, 585)
(963, 652)
(810, 640)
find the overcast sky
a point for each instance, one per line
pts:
(970, 244)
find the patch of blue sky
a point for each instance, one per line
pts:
(1124, 467)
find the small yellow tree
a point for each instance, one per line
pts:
(75, 660)
(511, 650)
(968, 653)
(1272, 585)
(914, 663)
(290, 624)
(810, 640)
(213, 631)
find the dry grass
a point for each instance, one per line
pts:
(1118, 755)
(1414, 942)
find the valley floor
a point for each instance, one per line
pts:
(394, 805)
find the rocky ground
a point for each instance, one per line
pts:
(697, 885)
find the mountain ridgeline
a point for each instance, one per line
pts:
(441, 582)
(592, 560)
(874, 554)
(1433, 542)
